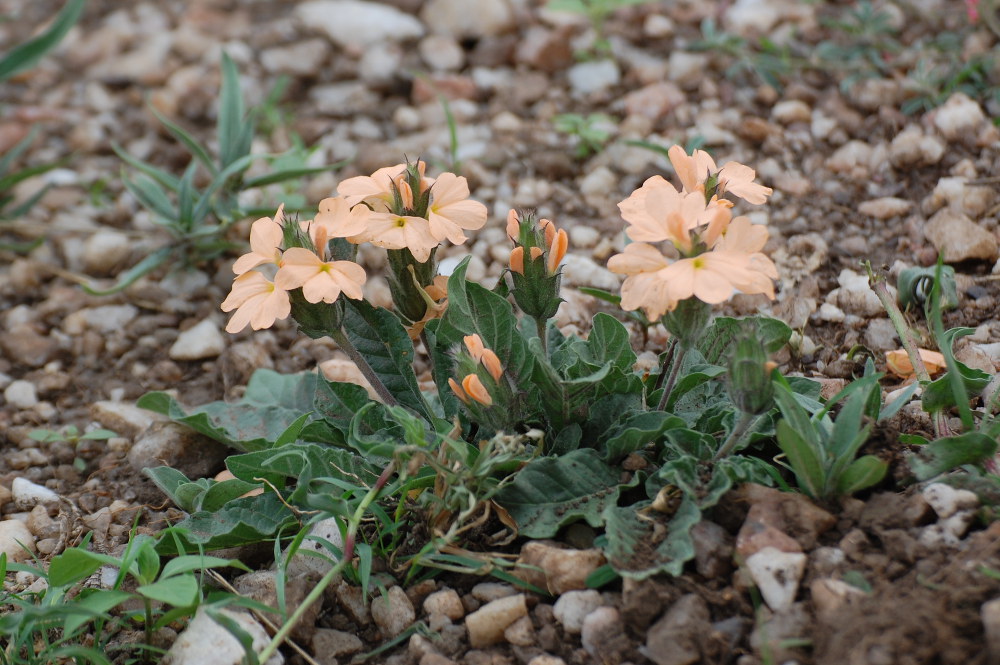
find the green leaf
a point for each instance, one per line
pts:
(234, 130)
(639, 548)
(190, 142)
(638, 430)
(609, 343)
(861, 474)
(950, 452)
(553, 491)
(25, 55)
(179, 591)
(75, 565)
(272, 403)
(939, 394)
(803, 459)
(303, 461)
(93, 605)
(163, 178)
(182, 491)
(381, 339)
(189, 563)
(717, 340)
(286, 174)
(248, 520)
(336, 403)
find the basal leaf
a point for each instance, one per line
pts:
(248, 520)
(717, 341)
(638, 430)
(179, 591)
(609, 343)
(939, 394)
(639, 548)
(382, 340)
(553, 491)
(271, 404)
(863, 472)
(949, 453)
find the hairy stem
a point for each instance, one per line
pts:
(541, 328)
(352, 352)
(909, 340)
(747, 420)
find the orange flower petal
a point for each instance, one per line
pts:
(475, 389)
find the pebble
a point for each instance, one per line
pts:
(850, 156)
(306, 564)
(958, 238)
(379, 65)
(13, 534)
(573, 606)
(356, 24)
(587, 78)
(989, 613)
(486, 625)
(946, 500)
(880, 335)
(959, 117)
(487, 592)
(329, 643)
(21, 394)
(445, 602)
(27, 494)
(25, 345)
(105, 252)
(123, 418)
(103, 319)
(200, 341)
(558, 569)
(302, 58)
(829, 595)
(855, 296)
(885, 208)
(777, 575)
(911, 147)
(713, 549)
(206, 642)
(261, 586)
(603, 635)
(579, 270)
(676, 637)
(654, 100)
(520, 633)
(393, 612)
(545, 50)
(467, 18)
(791, 110)
(441, 52)
(172, 444)
(687, 69)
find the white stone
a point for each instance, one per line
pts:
(959, 117)
(441, 52)
(658, 25)
(125, 419)
(13, 534)
(379, 64)
(574, 606)
(468, 18)
(27, 494)
(445, 602)
(886, 207)
(958, 238)
(579, 270)
(357, 24)
(751, 17)
(393, 612)
(989, 613)
(486, 625)
(856, 296)
(597, 626)
(687, 69)
(21, 394)
(912, 147)
(777, 575)
(849, 156)
(946, 500)
(597, 185)
(586, 78)
(487, 592)
(206, 642)
(301, 58)
(106, 251)
(791, 110)
(583, 237)
(104, 319)
(202, 340)
(306, 564)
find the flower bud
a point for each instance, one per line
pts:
(475, 389)
(749, 384)
(534, 264)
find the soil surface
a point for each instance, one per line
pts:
(888, 579)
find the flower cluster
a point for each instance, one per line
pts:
(717, 252)
(397, 208)
(538, 250)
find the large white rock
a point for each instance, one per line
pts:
(202, 340)
(574, 606)
(357, 24)
(14, 534)
(959, 117)
(27, 494)
(468, 18)
(959, 238)
(205, 642)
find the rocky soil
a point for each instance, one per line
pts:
(900, 575)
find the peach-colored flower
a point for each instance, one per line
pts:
(377, 189)
(513, 226)
(694, 170)
(517, 258)
(339, 219)
(265, 243)
(557, 249)
(457, 389)
(385, 229)
(657, 212)
(475, 389)
(320, 280)
(257, 301)
(451, 212)
(656, 284)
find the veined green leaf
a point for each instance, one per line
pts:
(861, 474)
(803, 459)
(950, 452)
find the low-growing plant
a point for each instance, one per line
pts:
(591, 132)
(197, 219)
(71, 435)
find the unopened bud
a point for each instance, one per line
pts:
(750, 386)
